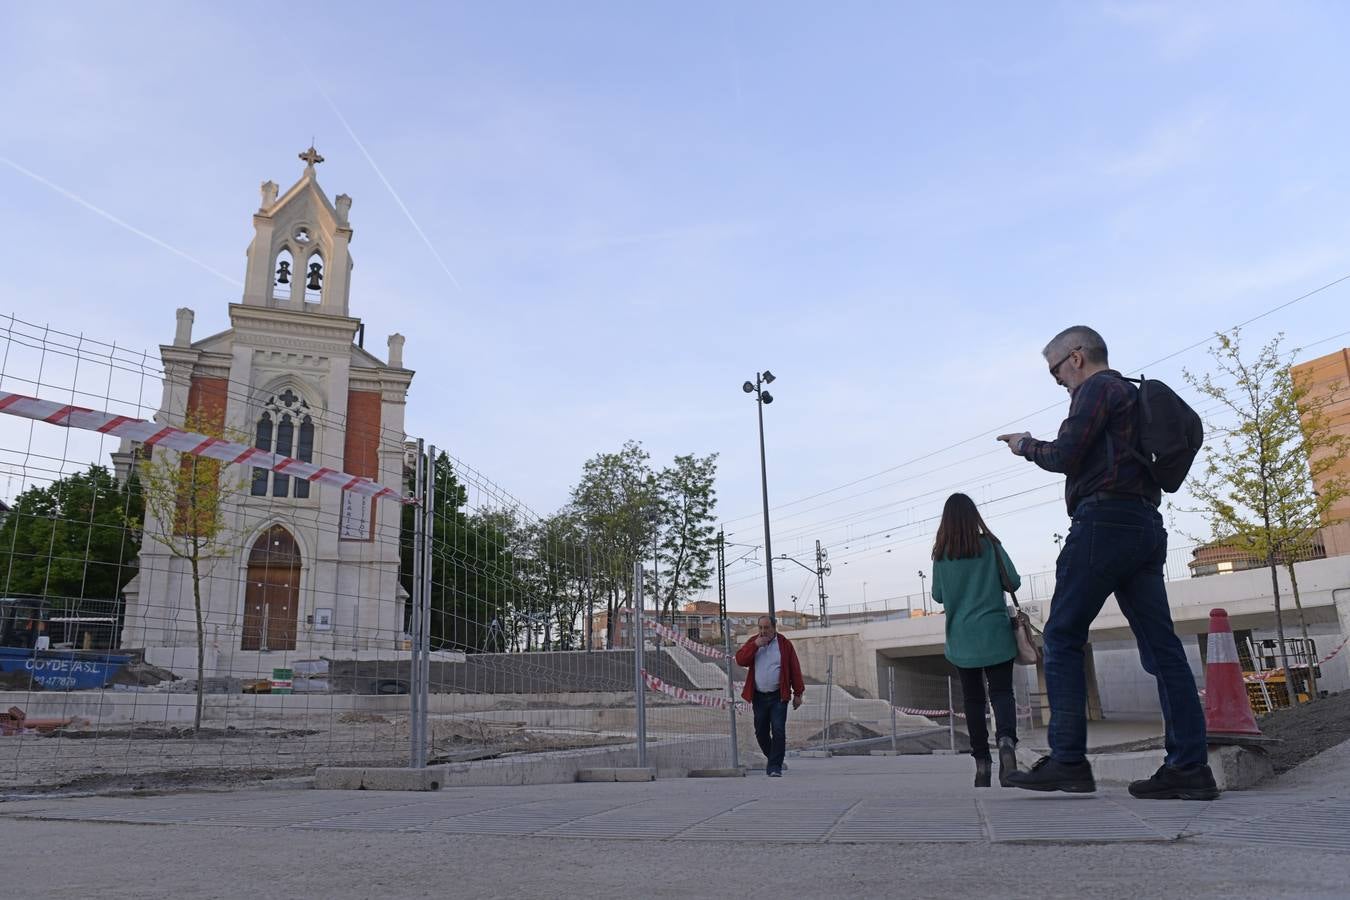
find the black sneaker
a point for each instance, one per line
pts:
(1048, 775)
(1170, 783)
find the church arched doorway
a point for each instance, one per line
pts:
(272, 598)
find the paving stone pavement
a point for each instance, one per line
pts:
(849, 800)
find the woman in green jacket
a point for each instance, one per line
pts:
(980, 641)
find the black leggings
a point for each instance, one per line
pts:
(1000, 695)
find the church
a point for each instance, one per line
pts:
(302, 569)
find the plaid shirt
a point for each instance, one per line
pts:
(1104, 405)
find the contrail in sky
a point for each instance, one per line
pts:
(397, 199)
(116, 221)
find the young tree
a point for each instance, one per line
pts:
(1256, 487)
(190, 510)
(686, 498)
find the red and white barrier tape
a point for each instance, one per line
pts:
(154, 435)
(1266, 676)
(680, 693)
(683, 640)
(928, 712)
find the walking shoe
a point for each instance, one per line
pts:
(1049, 775)
(982, 772)
(775, 774)
(1007, 759)
(1171, 783)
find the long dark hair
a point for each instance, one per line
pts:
(958, 535)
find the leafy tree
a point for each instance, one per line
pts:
(189, 510)
(69, 541)
(616, 502)
(1257, 486)
(472, 568)
(686, 498)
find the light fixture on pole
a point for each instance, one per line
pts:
(1058, 537)
(923, 590)
(762, 397)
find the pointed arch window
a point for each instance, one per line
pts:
(283, 275)
(285, 426)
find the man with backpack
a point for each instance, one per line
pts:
(1118, 448)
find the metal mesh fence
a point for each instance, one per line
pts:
(171, 610)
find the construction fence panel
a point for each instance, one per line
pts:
(216, 592)
(202, 579)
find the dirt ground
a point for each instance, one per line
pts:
(144, 757)
(1305, 731)
(1300, 732)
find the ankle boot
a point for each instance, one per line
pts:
(1007, 760)
(982, 773)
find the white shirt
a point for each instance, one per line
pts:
(769, 667)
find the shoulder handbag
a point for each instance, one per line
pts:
(1028, 653)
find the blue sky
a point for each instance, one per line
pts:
(891, 205)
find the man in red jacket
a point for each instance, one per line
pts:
(775, 675)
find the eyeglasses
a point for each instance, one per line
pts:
(1054, 370)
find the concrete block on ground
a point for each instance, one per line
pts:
(815, 754)
(1239, 768)
(885, 752)
(944, 752)
(342, 778)
(1122, 768)
(718, 773)
(616, 773)
(1235, 768)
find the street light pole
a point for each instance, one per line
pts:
(923, 590)
(762, 397)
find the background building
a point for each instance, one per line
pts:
(1330, 376)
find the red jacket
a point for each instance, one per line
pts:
(790, 680)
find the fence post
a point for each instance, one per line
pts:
(415, 612)
(951, 717)
(890, 693)
(829, 690)
(639, 678)
(731, 693)
(428, 543)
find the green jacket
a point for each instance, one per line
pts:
(979, 632)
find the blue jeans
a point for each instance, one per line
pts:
(1117, 546)
(771, 728)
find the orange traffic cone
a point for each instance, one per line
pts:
(1227, 707)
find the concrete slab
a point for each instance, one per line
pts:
(617, 774)
(815, 754)
(717, 773)
(341, 778)
(1235, 768)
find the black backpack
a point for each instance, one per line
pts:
(1170, 434)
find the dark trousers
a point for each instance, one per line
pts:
(771, 728)
(1117, 547)
(1000, 696)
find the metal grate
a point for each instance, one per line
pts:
(1065, 820)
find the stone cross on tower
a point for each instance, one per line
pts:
(311, 156)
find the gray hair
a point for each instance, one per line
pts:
(772, 620)
(1077, 337)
